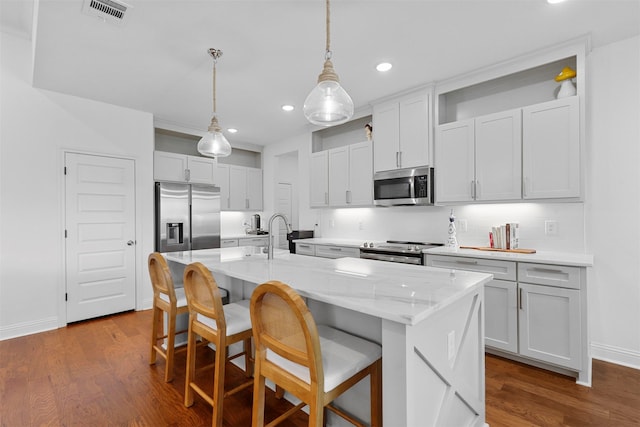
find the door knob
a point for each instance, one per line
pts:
(130, 243)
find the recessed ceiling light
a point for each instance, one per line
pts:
(554, 1)
(383, 66)
(232, 130)
(287, 107)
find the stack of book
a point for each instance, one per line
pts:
(505, 236)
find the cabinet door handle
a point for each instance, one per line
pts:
(473, 190)
(520, 298)
(187, 175)
(525, 184)
(476, 192)
(326, 198)
(348, 196)
(228, 203)
(246, 203)
(397, 159)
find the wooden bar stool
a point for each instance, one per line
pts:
(219, 325)
(314, 363)
(166, 299)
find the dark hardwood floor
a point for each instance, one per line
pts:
(96, 373)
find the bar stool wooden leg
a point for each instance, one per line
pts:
(171, 341)
(156, 328)
(376, 394)
(191, 369)
(257, 415)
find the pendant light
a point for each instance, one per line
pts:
(328, 103)
(213, 143)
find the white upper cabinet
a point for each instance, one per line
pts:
(338, 176)
(455, 167)
(525, 143)
(222, 181)
(254, 189)
(498, 156)
(401, 129)
(551, 146)
(183, 168)
(202, 170)
(350, 176)
(245, 188)
(319, 191)
(360, 174)
(341, 168)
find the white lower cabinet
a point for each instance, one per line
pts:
(305, 249)
(325, 251)
(501, 315)
(228, 243)
(253, 241)
(550, 324)
(531, 310)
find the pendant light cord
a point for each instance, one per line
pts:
(214, 85)
(328, 24)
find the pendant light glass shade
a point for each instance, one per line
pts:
(213, 143)
(328, 104)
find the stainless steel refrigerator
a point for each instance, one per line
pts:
(187, 216)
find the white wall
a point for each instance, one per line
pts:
(36, 126)
(613, 200)
(605, 225)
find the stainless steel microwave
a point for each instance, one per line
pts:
(403, 187)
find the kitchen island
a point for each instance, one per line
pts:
(429, 322)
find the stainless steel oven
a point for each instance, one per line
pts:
(396, 251)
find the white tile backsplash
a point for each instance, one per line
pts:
(430, 223)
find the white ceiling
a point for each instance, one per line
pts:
(274, 50)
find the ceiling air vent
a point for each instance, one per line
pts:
(107, 10)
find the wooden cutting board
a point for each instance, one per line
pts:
(484, 248)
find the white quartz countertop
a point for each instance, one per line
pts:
(331, 242)
(401, 293)
(540, 257)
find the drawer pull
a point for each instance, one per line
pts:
(547, 270)
(336, 249)
(467, 262)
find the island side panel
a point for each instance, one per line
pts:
(423, 385)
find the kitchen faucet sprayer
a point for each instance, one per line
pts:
(270, 245)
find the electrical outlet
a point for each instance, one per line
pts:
(551, 227)
(462, 225)
(451, 345)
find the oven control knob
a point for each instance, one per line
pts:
(371, 244)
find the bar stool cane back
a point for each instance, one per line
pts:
(219, 325)
(315, 363)
(166, 299)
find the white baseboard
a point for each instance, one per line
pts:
(617, 355)
(28, 328)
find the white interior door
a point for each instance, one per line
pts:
(284, 206)
(100, 235)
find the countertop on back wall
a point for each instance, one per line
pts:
(540, 257)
